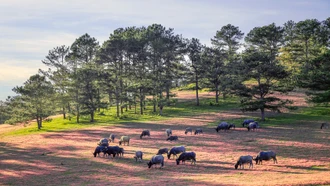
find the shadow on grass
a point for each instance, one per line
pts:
(310, 168)
(288, 143)
(56, 169)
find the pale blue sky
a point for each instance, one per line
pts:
(30, 28)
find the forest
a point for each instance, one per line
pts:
(140, 66)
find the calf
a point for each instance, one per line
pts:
(162, 151)
(112, 138)
(265, 155)
(324, 125)
(246, 122)
(168, 132)
(198, 131)
(186, 156)
(103, 142)
(157, 159)
(138, 156)
(124, 139)
(172, 138)
(176, 150)
(188, 129)
(253, 125)
(243, 160)
(145, 133)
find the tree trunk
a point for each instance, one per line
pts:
(216, 93)
(78, 113)
(161, 110)
(69, 107)
(167, 93)
(155, 104)
(63, 111)
(306, 43)
(110, 98)
(117, 105)
(197, 99)
(262, 114)
(141, 102)
(135, 108)
(98, 100)
(92, 116)
(38, 122)
(155, 110)
(77, 107)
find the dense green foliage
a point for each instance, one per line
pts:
(35, 98)
(137, 67)
(179, 110)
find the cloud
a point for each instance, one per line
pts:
(30, 28)
(12, 74)
(32, 44)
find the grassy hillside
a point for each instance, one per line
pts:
(182, 108)
(61, 153)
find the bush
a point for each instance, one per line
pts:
(212, 103)
(190, 86)
(48, 120)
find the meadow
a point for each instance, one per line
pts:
(61, 153)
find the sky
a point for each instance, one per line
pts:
(30, 28)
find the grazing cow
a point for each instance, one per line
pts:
(121, 152)
(114, 151)
(224, 126)
(138, 156)
(198, 131)
(324, 125)
(124, 139)
(162, 151)
(253, 125)
(246, 122)
(175, 151)
(100, 149)
(168, 132)
(172, 138)
(186, 156)
(265, 155)
(112, 138)
(243, 160)
(157, 159)
(188, 129)
(103, 142)
(145, 133)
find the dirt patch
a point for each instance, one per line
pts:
(65, 158)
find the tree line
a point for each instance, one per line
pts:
(140, 65)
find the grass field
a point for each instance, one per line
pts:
(61, 154)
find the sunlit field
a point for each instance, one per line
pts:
(60, 155)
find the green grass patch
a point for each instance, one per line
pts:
(207, 105)
(178, 110)
(318, 167)
(300, 116)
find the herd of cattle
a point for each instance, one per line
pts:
(103, 147)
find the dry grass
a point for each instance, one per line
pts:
(65, 158)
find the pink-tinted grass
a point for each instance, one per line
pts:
(65, 158)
